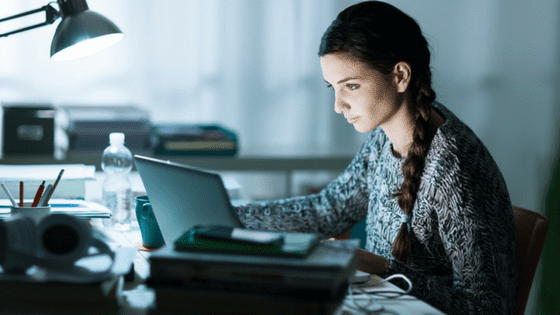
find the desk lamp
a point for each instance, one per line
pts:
(80, 33)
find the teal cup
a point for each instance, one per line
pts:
(151, 234)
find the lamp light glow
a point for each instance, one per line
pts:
(87, 47)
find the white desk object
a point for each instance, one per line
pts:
(379, 304)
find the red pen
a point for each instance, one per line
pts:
(21, 193)
(38, 195)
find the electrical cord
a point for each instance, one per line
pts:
(371, 305)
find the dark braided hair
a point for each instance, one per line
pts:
(381, 35)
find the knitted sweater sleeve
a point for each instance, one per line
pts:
(331, 212)
(475, 223)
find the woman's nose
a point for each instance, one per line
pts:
(339, 104)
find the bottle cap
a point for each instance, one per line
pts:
(116, 138)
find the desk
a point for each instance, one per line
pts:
(137, 298)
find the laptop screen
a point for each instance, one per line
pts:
(184, 196)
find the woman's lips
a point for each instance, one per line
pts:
(352, 120)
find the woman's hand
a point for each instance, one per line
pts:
(372, 263)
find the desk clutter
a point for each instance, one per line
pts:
(298, 275)
(44, 129)
(61, 260)
(61, 186)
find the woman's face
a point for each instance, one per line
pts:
(366, 97)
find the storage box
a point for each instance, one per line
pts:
(28, 129)
(89, 127)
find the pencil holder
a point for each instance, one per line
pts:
(35, 213)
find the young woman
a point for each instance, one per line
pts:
(437, 208)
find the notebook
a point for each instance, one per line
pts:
(282, 244)
(183, 196)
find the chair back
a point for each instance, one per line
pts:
(531, 233)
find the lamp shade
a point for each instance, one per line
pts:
(82, 34)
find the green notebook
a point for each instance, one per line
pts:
(226, 240)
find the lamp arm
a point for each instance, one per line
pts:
(51, 15)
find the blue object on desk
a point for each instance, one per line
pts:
(149, 228)
(77, 207)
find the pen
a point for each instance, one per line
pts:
(38, 195)
(45, 202)
(21, 193)
(8, 194)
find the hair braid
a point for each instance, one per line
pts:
(413, 166)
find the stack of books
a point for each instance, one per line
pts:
(258, 281)
(193, 140)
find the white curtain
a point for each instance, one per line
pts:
(249, 65)
(252, 66)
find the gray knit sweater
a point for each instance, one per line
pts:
(463, 229)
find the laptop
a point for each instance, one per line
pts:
(184, 196)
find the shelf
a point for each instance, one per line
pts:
(285, 163)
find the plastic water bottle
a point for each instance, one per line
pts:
(116, 163)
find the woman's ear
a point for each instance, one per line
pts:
(402, 75)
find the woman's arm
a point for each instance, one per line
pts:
(372, 263)
(331, 212)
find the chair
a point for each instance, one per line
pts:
(531, 233)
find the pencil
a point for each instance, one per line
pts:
(21, 193)
(38, 195)
(8, 194)
(44, 203)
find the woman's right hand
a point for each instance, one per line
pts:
(372, 263)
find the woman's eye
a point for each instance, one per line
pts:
(329, 86)
(352, 86)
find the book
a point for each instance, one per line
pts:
(193, 139)
(243, 241)
(328, 267)
(316, 286)
(200, 301)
